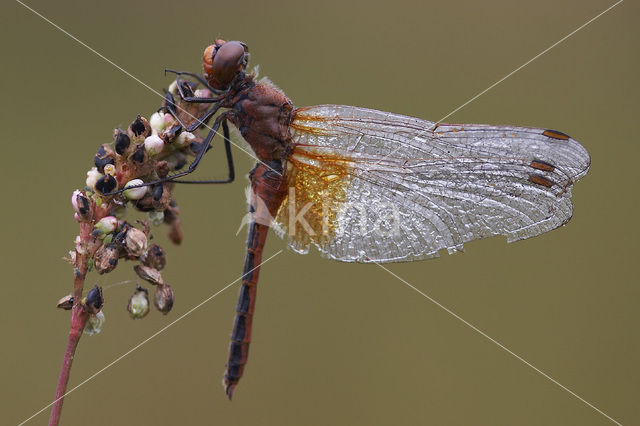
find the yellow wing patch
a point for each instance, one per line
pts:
(317, 190)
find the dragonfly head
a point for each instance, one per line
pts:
(224, 61)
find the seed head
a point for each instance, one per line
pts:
(161, 196)
(66, 302)
(138, 305)
(104, 156)
(94, 300)
(140, 155)
(94, 324)
(155, 257)
(163, 298)
(106, 184)
(122, 141)
(149, 274)
(81, 206)
(106, 258)
(135, 242)
(139, 129)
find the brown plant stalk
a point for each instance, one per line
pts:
(146, 151)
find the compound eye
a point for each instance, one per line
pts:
(207, 59)
(227, 62)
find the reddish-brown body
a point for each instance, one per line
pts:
(268, 190)
(263, 114)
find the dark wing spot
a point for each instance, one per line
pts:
(542, 165)
(541, 180)
(556, 135)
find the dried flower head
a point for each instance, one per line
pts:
(94, 300)
(163, 298)
(106, 258)
(81, 206)
(149, 274)
(135, 242)
(66, 302)
(155, 257)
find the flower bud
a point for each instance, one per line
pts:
(103, 157)
(149, 274)
(107, 224)
(106, 258)
(155, 257)
(106, 184)
(94, 300)
(92, 177)
(138, 305)
(202, 93)
(135, 193)
(94, 324)
(81, 206)
(163, 298)
(136, 242)
(153, 144)
(184, 139)
(122, 141)
(156, 121)
(66, 302)
(110, 170)
(173, 88)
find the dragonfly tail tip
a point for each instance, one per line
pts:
(229, 390)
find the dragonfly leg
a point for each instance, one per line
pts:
(193, 166)
(230, 166)
(268, 190)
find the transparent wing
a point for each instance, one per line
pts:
(368, 186)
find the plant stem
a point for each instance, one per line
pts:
(78, 320)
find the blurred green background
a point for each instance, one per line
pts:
(333, 343)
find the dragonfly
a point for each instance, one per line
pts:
(369, 186)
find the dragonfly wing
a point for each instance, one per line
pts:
(369, 186)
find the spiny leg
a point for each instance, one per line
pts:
(192, 167)
(196, 76)
(230, 167)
